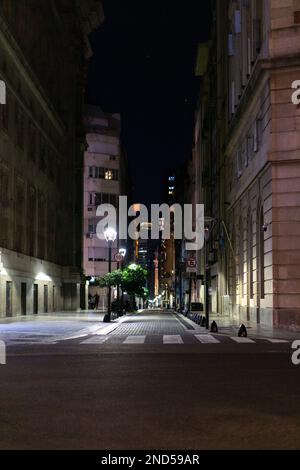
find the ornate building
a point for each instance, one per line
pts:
(44, 47)
(247, 146)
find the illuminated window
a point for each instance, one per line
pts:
(108, 175)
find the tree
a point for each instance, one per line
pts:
(112, 279)
(134, 280)
(131, 279)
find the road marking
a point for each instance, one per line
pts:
(172, 339)
(206, 339)
(241, 339)
(274, 340)
(134, 340)
(95, 340)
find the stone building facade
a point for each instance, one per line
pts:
(247, 144)
(43, 52)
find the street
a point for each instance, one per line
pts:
(151, 382)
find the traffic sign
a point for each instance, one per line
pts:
(191, 265)
(118, 257)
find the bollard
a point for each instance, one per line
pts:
(242, 331)
(214, 327)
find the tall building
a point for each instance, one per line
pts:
(247, 149)
(44, 47)
(167, 246)
(103, 169)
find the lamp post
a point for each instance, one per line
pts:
(110, 236)
(122, 252)
(133, 267)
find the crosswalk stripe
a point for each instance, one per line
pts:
(134, 340)
(95, 340)
(274, 340)
(206, 339)
(172, 339)
(241, 339)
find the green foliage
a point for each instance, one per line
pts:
(111, 279)
(132, 280)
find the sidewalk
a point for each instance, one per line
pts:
(230, 326)
(82, 315)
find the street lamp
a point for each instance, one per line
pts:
(110, 235)
(122, 252)
(133, 267)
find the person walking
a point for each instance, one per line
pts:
(97, 298)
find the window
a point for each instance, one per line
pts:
(230, 45)
(257, 27)
(250, 146)
(108, 174)
(112, 157)
(245, 158)
(105, 198)
(32, 142)
(241, 257)
(250, 256)
(43, 157)
(297, 17)
(4, 116)
(4, 206)
(31, 215)
(261, 253)
(239, 163)
(20, 127)
(92, 225)
(255, 136)
(51, 165)
(103, 173)
(97, 254)
(99, 172)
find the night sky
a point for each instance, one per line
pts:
(143, 67)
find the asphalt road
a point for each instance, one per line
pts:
(116, 395)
